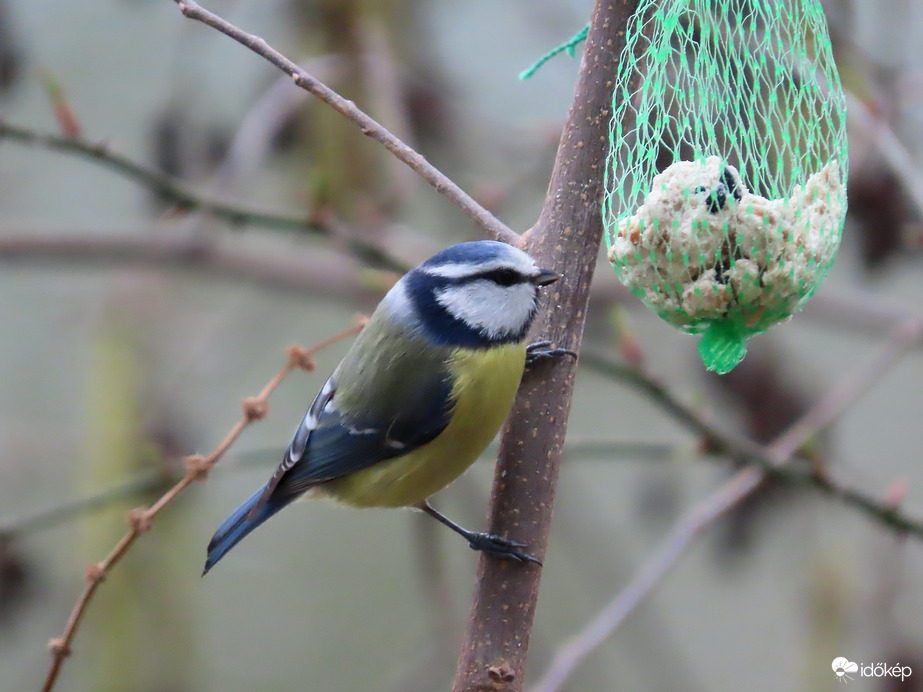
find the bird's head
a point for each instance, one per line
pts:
(476, 294)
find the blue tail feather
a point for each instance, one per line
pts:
(236, 526)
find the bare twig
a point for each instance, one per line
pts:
(767, 460)
(853, 314)
(46, 518)
(825, 412)
(141, 520)
(253, 138)
(305, 271)
(367, 125)
(892, 150)
(293, 269)
(566, 237)
(164, 185)
(575, 450)
(183, 197)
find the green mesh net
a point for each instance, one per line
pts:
(726, 181)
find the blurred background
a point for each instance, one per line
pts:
(115, 364)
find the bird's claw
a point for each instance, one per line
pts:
(500, 547)
(545, 350)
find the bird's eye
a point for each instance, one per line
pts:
(504, 277)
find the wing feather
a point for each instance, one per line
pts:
(330, 444)
(299, 443)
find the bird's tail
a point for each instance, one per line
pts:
(238, 525)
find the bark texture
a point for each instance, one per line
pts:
(566, 237)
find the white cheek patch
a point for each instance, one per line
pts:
(495, 311)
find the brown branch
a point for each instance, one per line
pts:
(745, 451)
(566, 237)
(141, 520)
(166, 186)
(894, 153)
(294, 269)
(49, 517)
(853, 314)
(367, 125)
(604, 451)
(185, 198)
(304, 271)
(822, 414)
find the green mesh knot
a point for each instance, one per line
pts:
(726, 180)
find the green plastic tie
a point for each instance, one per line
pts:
(570, 47)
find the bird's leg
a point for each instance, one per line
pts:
(545, 350)
(498, 546)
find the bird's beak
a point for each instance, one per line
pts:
(546, 276)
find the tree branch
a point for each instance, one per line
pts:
(174, 191)
(308, 271)
(367, 125)
(566, 237)
(767, 460)
(50, 517)
(46, 518)
(893, 152)
(159, 183)
(304, 271)
(197, 467)
(703, 515)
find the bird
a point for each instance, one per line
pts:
(418, 396)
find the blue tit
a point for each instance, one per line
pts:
(420, 394)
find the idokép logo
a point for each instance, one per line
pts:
(842, 667)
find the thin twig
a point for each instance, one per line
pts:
(141, 520)
(892, 150)
(367, 125)
(853, 314)
(187, 199)
(576, 649)
(767, 460)
(576, 450)
(52, 516)
(307, 270)
(822, 414)
(164, 185)
(253, 138)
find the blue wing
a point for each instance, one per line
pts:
(339, 444)
(329, 444)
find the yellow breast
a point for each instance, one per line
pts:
(485, 386)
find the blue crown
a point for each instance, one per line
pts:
(472, 252)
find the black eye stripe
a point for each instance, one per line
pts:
(502, 277)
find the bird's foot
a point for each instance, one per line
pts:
(489, 543)
(542, 351)
(499, 547)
